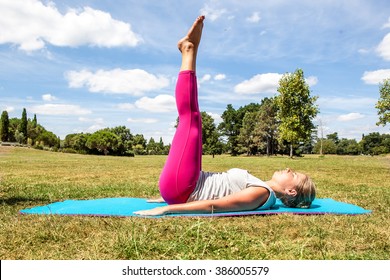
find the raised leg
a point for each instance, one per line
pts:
(181, 171)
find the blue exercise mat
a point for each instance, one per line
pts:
(125, 207)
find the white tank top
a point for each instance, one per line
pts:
(211, 186)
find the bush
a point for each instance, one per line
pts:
(69, 150)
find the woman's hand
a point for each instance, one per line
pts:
(152, 212)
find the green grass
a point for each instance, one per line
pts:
(31, 177)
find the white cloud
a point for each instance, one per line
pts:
(312, 81)
(142, 120)
(254, 18)
(216, 117)
(59, 109)
(118, 81)
(376, 77)
(31, 24)
(205, 78)
(212, 13)
(48, 97)
(261, 83)
(220, 77)
(350, 117)
(383, 48)
(160, 104)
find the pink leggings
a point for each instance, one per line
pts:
(181, 171)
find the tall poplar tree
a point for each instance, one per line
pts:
(34, 122)
(23, 125)
(296, 109)
(4, 126)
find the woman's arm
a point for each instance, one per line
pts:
(156, 200)
(247, 199)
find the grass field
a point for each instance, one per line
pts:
(30, 177)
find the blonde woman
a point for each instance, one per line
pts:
(188, 189)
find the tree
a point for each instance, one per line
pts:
(152, 147)
(248, 139)
(139, 144)
(386, 142)
(375, 144)
(4, 126)
(47, 138)
(69, 141)
(230, 127)
(126, 144)
(14, 124)
(296, 109)
(77, 142)
(162, 147)
(210, 136)
(383, 104)
(34, 121)
(307, 146)
(232, 123)
(33, 131)
(23, 125)
(19, 136)
(116, 141)
(103, 141)
(267, 124)
(334, 137)
(347, 147)
(327, 146)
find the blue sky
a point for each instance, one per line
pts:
(89, 64)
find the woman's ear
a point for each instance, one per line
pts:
(291, 192)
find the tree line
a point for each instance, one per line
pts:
(26, 131)
(249, 140)
(114, 141)
(282, 124)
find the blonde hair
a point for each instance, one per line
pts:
(306, 192)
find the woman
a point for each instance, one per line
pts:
(186, 188)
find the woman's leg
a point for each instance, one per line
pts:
(181, 171)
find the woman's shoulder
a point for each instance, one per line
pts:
(237, 170)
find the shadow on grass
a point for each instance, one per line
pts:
(10, 201)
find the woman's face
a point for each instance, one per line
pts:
(287, 178)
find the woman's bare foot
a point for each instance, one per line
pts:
(192, 39)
